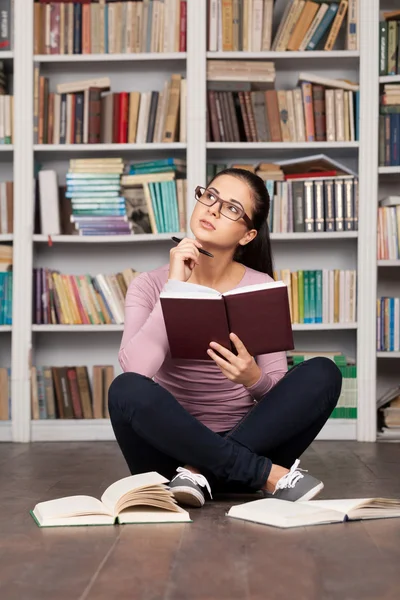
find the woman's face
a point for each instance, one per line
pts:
(209, 226)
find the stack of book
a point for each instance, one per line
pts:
(389, 50)
(66, 393)
(388, 324)
(79, 299)
(389, 412)
(234, 25)
(84, 112)
(97, 204)
(5, 394)
(346, 407)
(389, 228)
(317, 110)
(389, 126)
(104, 27)
(6, 207)
(321, 296)
(6, 101)
(6, 284)
(155, 198)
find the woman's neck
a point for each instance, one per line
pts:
(221, 272)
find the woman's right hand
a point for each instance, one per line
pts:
(183, 259)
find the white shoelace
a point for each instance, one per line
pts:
(194, 478)
(290, 479)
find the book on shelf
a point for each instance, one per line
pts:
(388, 405)
(346, 407)
(389, 125)
(263, 25)
(5, 394)
(389, 52)
(321, 296)
(6, 25)
(318, 109)
(79, 299)
(6, 284)
(388, 324)
(6, 207)
(143, 498)
(88, 112)
(106, 27)
(66, 392)
(257, 314)
(284, 514)
(389, 228)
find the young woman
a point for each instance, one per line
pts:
(236, 422)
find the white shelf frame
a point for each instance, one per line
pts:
(196, 153)
(389, 79)
(389, 170)
(111, 328)
(105, 239)
(88, 58)
(388, 354)
(5, 431)
(394, 262)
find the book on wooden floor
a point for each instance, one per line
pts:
(142, 498)
(258, 314)
(284, 514)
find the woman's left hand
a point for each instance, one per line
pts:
(242, 368)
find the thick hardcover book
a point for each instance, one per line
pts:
(196, 315)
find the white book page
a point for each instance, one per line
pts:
(183, 289)
(153, 515)
(255, 288)
(118, 489)
(70, 506)
(343, 506)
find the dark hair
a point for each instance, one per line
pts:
(256, 254)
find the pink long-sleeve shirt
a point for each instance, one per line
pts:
(198, 385)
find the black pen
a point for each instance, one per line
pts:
(177, 240)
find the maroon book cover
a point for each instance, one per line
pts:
(259, 317)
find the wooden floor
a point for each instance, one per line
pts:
(211, 559)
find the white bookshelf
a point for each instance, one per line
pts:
(388, 354)
(105, 239)
(75, 254)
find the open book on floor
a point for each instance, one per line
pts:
(281, 513)
(140, 498)
(196, 315)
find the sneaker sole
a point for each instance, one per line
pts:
(311, 493)
(188, 496)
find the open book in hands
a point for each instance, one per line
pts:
(140, 498)
(281, 513)
(196, 315)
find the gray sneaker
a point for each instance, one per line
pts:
(294, 486)
(186, 488)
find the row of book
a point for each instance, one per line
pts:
(311, 112)
(67, 393)
(389, 126)
(104, 27)
(79, 299)
(313, 204)
(389, 228)
(5, 394)
(6, 119)
(389, 410)
(6, 284)
(389, 50)
(346, 407)
(321, 296)
(99, 200)
(85, 112)
(248, 26)
(6, 207)
(388, 324)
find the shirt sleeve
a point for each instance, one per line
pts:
(144, 343)
(273, 368)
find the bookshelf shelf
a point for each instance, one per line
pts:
(105, 239)
(317, 235)
(107, 147)
(87, 58)
(388, 354)
(8, 55)
(334, 54)
(389, 79)
(389, 170)
(280, 145)
(323, 326)
(5, 431)
(5, 328)
(6, 147)
(66, 430)
(76, 328)
(389, 263)
(6, 237)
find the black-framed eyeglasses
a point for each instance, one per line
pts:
(231, 209)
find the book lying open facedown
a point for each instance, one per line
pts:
(281, 513)
(140, 498)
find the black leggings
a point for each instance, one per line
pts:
(155, 433)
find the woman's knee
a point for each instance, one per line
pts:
(125, 389)
(329, 375)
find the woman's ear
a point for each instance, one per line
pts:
(248, 237)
